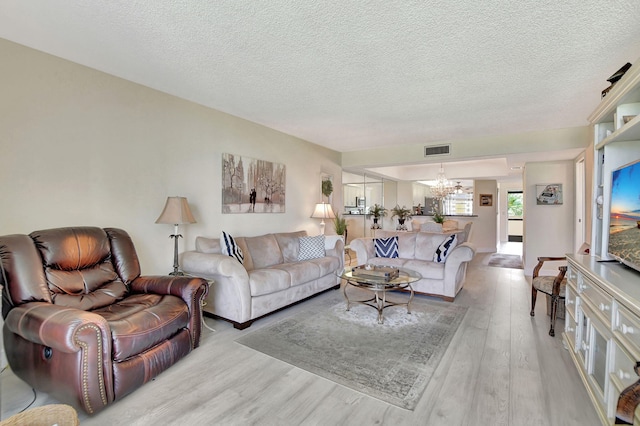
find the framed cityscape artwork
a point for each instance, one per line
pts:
(250, 185)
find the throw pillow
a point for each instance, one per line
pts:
(386, 247)
(311, 247)
(445, 248)
(230, 248)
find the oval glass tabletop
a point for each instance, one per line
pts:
(405, 276)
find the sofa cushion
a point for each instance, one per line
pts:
(230, 247)
(289, 245)
(406, 242)
(386, 261)
(327, 265)
(300, 272)
(268, 280)
(208, 245)
(426, 245)
(264, 250)
(428, 270)
(311, 247)
(386, 247)
(445, 248)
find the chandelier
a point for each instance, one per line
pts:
(442, 187)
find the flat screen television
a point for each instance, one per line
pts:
(624, 224)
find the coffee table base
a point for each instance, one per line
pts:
(378, 302)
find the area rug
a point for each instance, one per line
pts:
(505, 261)
(393, 361)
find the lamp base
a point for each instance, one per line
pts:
(176, 272)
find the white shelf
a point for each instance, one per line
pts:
(628, 132)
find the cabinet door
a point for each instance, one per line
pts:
(595, 348)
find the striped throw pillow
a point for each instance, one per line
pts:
(230, 248)
(386, 247)
(311, 247)
(445, 248)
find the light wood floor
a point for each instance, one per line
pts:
(502, 368)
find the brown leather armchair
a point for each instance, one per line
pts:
(81, 323)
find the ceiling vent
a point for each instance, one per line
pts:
(432, 150)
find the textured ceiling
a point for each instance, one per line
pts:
(353, 75)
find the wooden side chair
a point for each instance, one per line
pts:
(554, 286)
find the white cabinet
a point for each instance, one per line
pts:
(616, 141)
(602, 329)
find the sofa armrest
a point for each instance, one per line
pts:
(190, 289)
(459, 255)
(364, 249)
(230, 294)
(337, 251)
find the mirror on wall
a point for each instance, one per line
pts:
(360, 192)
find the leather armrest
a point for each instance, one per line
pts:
(57, 327)
(190, 289)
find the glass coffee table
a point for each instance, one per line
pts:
(379, 286)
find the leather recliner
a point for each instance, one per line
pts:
(82, 324)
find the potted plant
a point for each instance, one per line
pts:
(377, 212)
(340, 225)
(437, 217)
(403, 214)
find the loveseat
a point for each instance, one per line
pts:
(277, 270)
(443, 277)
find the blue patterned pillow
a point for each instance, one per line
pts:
(445, 248)
(230, 248)
(386, 247)
(311, 247)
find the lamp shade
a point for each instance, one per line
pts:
(176, 212)
(323, 211)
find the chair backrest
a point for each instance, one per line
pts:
(81, 267)
(467, 232)
(431, 227)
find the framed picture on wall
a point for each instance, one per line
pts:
(549, 194)
(486, 200)
(250, 185)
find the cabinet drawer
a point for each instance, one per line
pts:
(572, 275)
(598, 299)
(623, 366)
(628, 325)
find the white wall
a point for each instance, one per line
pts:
(484, 234)
(80, 147)
(548, 229)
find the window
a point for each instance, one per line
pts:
(514, 205)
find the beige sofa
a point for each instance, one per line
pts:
(416, 251)
(270, 278)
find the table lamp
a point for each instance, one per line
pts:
(323, 211)
(176, 212)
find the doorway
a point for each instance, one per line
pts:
(515, 218)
